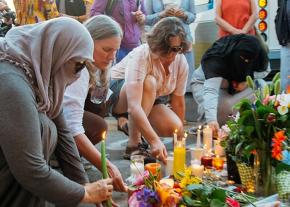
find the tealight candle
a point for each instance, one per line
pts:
(206, 160)
(197, 170)
(218, 163)
(207, 138)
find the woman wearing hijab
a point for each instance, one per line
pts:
(225, 66)
(37, 63)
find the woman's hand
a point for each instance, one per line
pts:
(99, 191)
(158, 150)
(118, 182)
(214, 125)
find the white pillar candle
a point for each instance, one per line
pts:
(198, 137)
(174, 136)
(169, 166)
(197, 170)
(137, 168)
(207, 138)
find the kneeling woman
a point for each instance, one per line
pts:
(151, 72)
(225, 66)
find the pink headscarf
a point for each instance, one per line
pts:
(45, 47)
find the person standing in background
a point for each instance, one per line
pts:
(282, 23)
(236, 17)
(182, 9)
(76, 9)
(130, 14)
(34, 11)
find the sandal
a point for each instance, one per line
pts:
(141, 149)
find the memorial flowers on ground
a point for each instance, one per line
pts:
(259, 134)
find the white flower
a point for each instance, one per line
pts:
(284, 100)
(282, 110)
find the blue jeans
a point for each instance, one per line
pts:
(122, 52)
(190, 61)
(285, 66)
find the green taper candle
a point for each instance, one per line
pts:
(107, 203)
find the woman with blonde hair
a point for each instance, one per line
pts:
(81, 105)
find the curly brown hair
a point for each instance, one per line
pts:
(158, 38)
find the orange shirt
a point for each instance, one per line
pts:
(236, 13)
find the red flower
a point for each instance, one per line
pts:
(277, 144)
(232, 202)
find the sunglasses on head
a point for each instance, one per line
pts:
(79, 66)
(177, 49)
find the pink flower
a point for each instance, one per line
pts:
(232, 202)
(140, 178)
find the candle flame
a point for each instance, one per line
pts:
(199, 127)
(104, 135)
(175, 131)
(185, 135)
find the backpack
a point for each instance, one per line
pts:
(281, 23)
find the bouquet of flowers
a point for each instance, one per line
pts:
(259, 134)
(148, 192)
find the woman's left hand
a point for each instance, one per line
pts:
(118, 182)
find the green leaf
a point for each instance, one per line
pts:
(250, 82)
(277, 87)
(266, 91)
(238, 147)
(194, 187)
(216, 203)
(219, 194)
(191, 202)
(282, 166)
(276, 77)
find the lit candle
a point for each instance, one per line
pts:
(207, 137)
(198, 137)
(175, 136)
(218, 163)
(103, 156)
(179, 155)
(206, 160)
(104, 164)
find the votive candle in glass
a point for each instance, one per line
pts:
(206, 161)
(218, 163)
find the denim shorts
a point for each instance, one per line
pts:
(116, 86)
